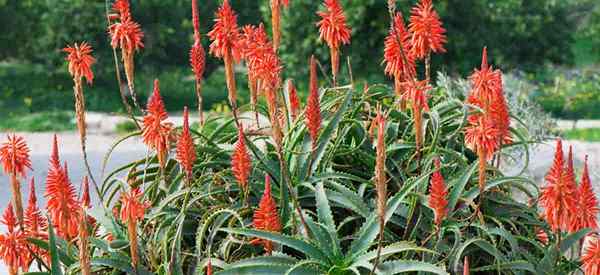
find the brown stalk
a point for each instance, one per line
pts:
(335, 63)
(253, 87)
(16, 197)
(380, 182)
(418, 113)
(132, 234)
(199, 96)
(230, 78)
(129, 74)
(276, 22)
(84, 253)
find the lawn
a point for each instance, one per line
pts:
(39, 122)
(590, 134)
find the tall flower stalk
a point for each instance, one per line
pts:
(14, 157)
(313, 105)
(226, 44)
(127, 35)
(380, 179)
(80, 61)
(399, 64)
(84, 229)
(334, 31)
(197, 59)
(276, 20)
(241, 164)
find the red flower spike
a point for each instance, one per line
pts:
(294, 100)
(428, 35)
(126, 35)
(591, 258)
(35, 222)
(416, 94)
(225, 35)
(14, 155)
(334, 30)
(61, 196)
(122, 8)
(542, 236)
(480, 135)
(13, 244)
(587, 204)
(85, 193)
(195, 18)
(466, 267)
(197, 54)
(313, 106)
(156, 133)
(557, 196)
(332, 27)
(438, 195)
(266, 216)
(80, 61)
(398, 43)
(262, 60)
(241, 165)
(132, 207)
(186, 151)
(209, 268)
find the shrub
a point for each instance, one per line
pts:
(342, 187)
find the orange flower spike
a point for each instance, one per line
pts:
(80, 61)
(438, 195)
(226, 44)
(334, 30)
(209, 269)
(591, 258)
(156, 133)
(313, 106)
(294, 100)
(241, 164)
(34, 220)
(132, 211)
(61, 198)
(186, 150)
(396, 52)
(587, 204)
(14, 157)
(266, 216)
(557, 198)
(13, 244)
(122, 8)
(416, 94)
(428, 34)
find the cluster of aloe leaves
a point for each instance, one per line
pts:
(188, 224)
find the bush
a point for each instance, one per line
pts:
(350, 189)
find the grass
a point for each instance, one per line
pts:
(39, 122)
(590, 134)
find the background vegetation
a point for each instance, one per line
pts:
(527, 36)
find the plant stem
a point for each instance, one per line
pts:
(16, 197)
(200, 101)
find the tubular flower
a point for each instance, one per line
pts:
(542, 236)
(186, 151)
(197, 58)
(266, 217)
(132, 211)
(35, 222)
(557, 196)
(13, 244)
(437, 195)
(62, 202)
(14, 157)
(334, 30)
(591, 258)
(428, 35)
(587, 204)
(156, 133)
(127, 35)
(80, 61)
(398, 62)
(294, 100)
(416, 94)
(241, 164)
(480, 136)
(488, 94)
(313, 106)
(226, 44)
